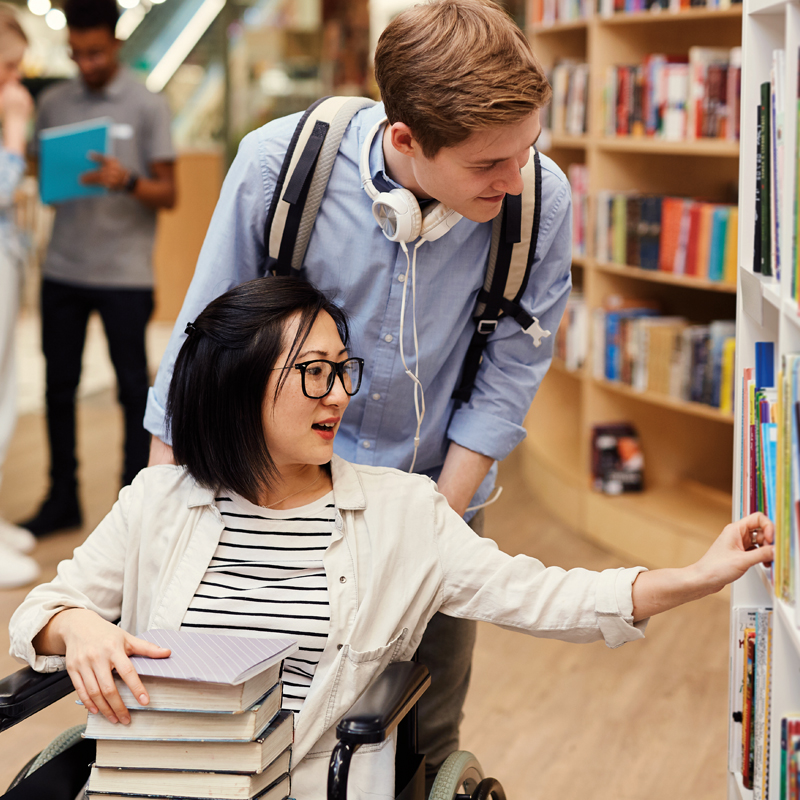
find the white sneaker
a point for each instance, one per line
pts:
(19, 539)
(16, 569)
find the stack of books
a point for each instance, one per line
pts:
(214, 727)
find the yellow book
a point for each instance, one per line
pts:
(731, 263)
(726, 379)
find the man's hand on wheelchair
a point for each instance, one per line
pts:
(93, 648)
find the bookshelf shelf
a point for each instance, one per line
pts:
(664, 277)
(698, 147)
(654, 398)
(569, 142)
(659, 17)
(681, 440)
(558, 27)
(559, 366)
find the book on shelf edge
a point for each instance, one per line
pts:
(280, 790)
(185, 783)
(191, 726)
(159, 754)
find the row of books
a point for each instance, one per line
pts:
(572, 336)
(548, 12)
(213, 728)
(676, 98)
(568, 112)
(671, 234)
(634, 344)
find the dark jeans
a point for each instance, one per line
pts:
(65, 314)
(446, 649)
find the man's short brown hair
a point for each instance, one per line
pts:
(449, 68)
(10, 29)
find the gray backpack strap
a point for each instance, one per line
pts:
(511, 255)
(304, 176)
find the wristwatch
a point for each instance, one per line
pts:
(130, 184)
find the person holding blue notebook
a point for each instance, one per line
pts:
(100, 254)
(16, 109)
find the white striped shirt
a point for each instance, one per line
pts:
(267, 576)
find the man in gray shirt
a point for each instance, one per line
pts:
(100, 254)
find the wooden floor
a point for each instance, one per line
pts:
(552, 721)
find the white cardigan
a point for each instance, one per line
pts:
(398, 554)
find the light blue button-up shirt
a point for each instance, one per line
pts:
(358, 268)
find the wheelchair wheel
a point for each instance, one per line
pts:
(460, 774)
(62, 742)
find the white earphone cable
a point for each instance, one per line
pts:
(497, 492)
(419, 394)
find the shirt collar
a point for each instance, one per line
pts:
(347, 490)
(112, 90)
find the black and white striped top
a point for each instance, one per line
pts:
(267, 576)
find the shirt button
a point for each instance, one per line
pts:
(339, 646)
(388, 338)
(402, 277)
(376, 396)
(343, 579)
(365, 445)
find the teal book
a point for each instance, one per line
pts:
(716, 254)
(64, 157)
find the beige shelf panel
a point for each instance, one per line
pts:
(665, 401)
(694, 147)
(687, 15)
(664, 277)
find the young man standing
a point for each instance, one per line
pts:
(99, 257)
(462, 92)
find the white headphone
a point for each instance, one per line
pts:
(398, 212)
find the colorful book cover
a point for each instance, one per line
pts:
(731, 259)
(748, 729)
(704, 240)
(692, 242)
(766, 169)
(671, 212)
(716, 255)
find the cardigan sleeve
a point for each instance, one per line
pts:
(481, 582)
(91, 579)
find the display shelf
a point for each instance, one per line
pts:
(721, 148)
(673, 403)
(657, 276)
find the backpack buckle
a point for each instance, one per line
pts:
(487, 326)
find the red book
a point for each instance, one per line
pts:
(691, 243)
(671, 210)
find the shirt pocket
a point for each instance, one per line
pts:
(357, 669)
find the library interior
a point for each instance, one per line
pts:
(665, 381)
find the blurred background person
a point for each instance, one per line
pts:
(16, 110)
(100, 254)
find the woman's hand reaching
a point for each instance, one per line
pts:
(741, 545)
(93, 648)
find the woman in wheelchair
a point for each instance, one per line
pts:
(262, 529)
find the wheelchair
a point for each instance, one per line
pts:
(60, 771)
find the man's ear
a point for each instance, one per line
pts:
(403, 140)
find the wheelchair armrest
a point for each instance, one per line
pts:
(25, 692)
(379, 710)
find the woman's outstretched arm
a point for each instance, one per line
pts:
(728, 558)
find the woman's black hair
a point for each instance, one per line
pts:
(215, 401)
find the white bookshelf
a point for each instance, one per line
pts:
(766, 312)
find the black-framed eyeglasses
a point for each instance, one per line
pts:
(319, 375)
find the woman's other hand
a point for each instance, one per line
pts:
(93, 648)
(740, 546)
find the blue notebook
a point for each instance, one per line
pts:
(64, 157)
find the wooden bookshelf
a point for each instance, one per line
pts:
(687, 446)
